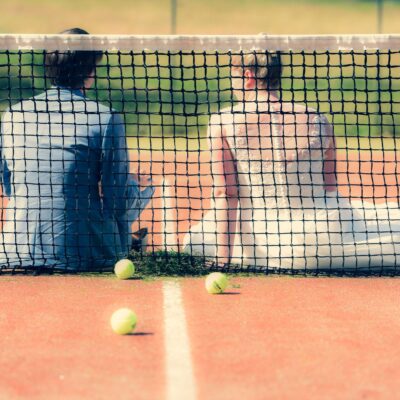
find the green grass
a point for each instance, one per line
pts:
(151, 266)
(173, 264)
(161, 264)
(359, 98)
(164, 114)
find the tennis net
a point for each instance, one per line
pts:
(265, 153)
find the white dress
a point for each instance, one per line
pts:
(285, 217)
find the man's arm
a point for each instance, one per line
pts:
(5, 174)
(121, 195)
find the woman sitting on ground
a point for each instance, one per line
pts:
(275, 198)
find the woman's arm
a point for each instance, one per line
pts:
(330, 179)
(225, 190)
(321, 138)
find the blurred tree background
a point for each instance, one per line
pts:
(199, 17)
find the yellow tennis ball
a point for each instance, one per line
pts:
(124, 269)
(123, 321)
(216, 282)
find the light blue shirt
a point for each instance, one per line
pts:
(65, 169)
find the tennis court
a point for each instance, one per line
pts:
(265, 338)
(282, 334)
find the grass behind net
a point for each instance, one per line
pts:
(175, 264)
(173, 93)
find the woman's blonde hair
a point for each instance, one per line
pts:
(266, 67)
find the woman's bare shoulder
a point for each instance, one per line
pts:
(303, 114)
(228, 116)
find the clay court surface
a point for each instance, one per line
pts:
(183, 185)
(267, 338)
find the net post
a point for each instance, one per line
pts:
(380, 15)
(173, 16)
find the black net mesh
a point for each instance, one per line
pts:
(253, 160)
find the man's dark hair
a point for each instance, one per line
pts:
(70, 69)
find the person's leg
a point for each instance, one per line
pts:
(139, 240)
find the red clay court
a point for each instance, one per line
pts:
(267, 338)
(371, 176)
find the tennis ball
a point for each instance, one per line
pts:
(123, 321)
(216, 283)
(124, 269)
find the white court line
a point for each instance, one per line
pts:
(179, 369)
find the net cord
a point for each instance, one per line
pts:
(198, 42)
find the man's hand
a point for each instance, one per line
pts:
(143, 178)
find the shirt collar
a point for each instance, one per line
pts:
(78, 92)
